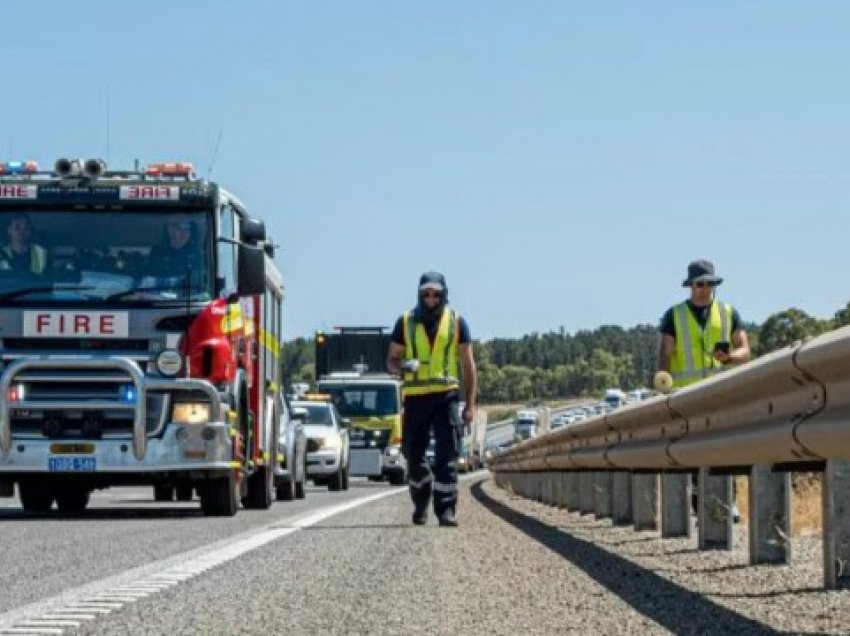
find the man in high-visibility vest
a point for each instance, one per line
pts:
(702, 335)
(430, 346)
(20, 253)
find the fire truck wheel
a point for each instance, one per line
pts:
(286, 490)
(184, 492)
(220, 496)
(260, 489)
(35, 497)
(162, 492)
(72, 499)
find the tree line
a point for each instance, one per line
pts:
(558, 364)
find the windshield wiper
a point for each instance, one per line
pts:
(149, 288)
(25, 291)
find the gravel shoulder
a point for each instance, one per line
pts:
(513, 567)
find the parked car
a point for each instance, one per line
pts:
(328, 449)
(291, 473)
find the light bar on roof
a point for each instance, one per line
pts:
(18, 167)
(170, 169)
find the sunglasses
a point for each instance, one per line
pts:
(704, 283)
(431, 294)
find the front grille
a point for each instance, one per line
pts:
(64, 385)
(75, 344)
(370, 439)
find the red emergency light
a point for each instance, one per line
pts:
(170, 169)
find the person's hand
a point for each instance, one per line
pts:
(468, 414)
(722, 356)
(410, 366)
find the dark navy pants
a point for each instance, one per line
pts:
(425, 415)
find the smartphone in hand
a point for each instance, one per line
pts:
(723, 346)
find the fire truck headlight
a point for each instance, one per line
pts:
(191, 413)
(169, 362)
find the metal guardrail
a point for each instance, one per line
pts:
(789, 410)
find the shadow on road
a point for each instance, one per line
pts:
(673, 607)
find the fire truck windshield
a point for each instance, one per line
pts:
(75, 256)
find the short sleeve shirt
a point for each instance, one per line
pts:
(701, 314)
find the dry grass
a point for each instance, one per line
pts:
(806, 510)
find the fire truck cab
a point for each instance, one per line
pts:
(140, 326)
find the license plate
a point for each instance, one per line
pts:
(71, 464)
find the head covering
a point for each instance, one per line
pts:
(701, 271)
(437, 282)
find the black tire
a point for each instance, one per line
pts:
(260, 490)
(220, 496)
(285, 490)
(162, 492)
(35, 497)
(345, 477)
(301, 485)
(72, 500)
(397, 478)
(376, 478)
(335, 481)
(184, 492)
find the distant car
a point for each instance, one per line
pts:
(291, 472)
(328, 450)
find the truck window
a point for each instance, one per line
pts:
(78, 255)
(363, 401)
(227, 251)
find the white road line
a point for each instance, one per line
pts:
(120, 590)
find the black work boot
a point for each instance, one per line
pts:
(420, 515)
(448, 519)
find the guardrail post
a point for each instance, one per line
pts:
(675, 505)
(562, 490)
(573, 491)
(836, 524)
(549, 480)
(714, 511)
(588, 481)
(602, 494)
(645, 501)
(770, 516)
(621, 497)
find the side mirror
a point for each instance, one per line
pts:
(252, 231)
(251, 278)
(299, 413)
(269, 249)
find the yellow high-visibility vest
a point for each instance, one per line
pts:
(38, 259)
(693, 358)
(438, 363)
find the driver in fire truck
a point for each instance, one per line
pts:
(20, 253)
(179, 250)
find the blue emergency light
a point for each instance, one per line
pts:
(128, 393)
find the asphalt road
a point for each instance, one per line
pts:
(352, 563)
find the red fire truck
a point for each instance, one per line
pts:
(140, 326)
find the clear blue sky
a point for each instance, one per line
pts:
(560, 164)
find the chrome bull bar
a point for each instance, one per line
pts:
(135, 375)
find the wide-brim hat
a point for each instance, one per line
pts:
(701, 271)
